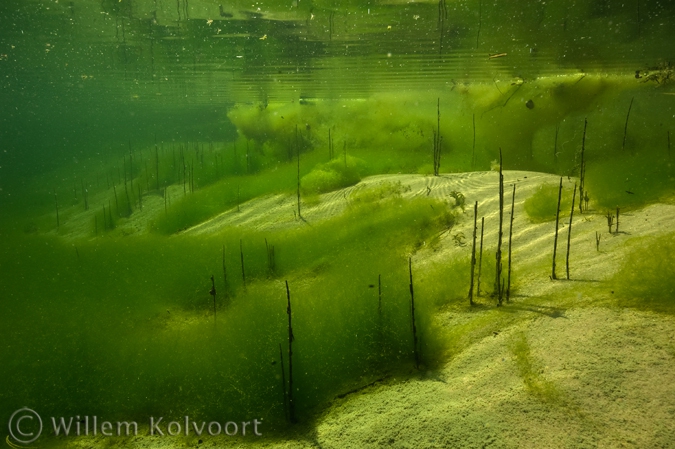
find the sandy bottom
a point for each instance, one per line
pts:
(568, 374)
(610, 374)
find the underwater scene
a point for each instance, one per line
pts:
(337, 224)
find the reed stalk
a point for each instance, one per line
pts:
(480, 257)
(557, 221)
(508, 276)
(569, 234)
(498, 254)
(473, 251)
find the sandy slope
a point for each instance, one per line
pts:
(600, 376)
(612, 372)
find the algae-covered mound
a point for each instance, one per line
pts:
(542, 205)
(333, 175)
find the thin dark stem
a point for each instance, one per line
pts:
(480, 258)
(569, 233)
(508, 276)
(498, 255)
(473, 251)
(212, 292)
(582, 169)
(597, 240)
(557, 220)
(610, 221)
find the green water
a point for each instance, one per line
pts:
(134, 120)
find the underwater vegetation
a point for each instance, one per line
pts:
(646, 279)
(132, 315)
(123, 335)
(624, 126)
(542, 205)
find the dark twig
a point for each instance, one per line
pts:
(557, 220)
(480, 257)
(473, 251)
(582, 169)
(212, 292)
(597, 240)
(569, 233)
(498, 254)
(508, 276)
